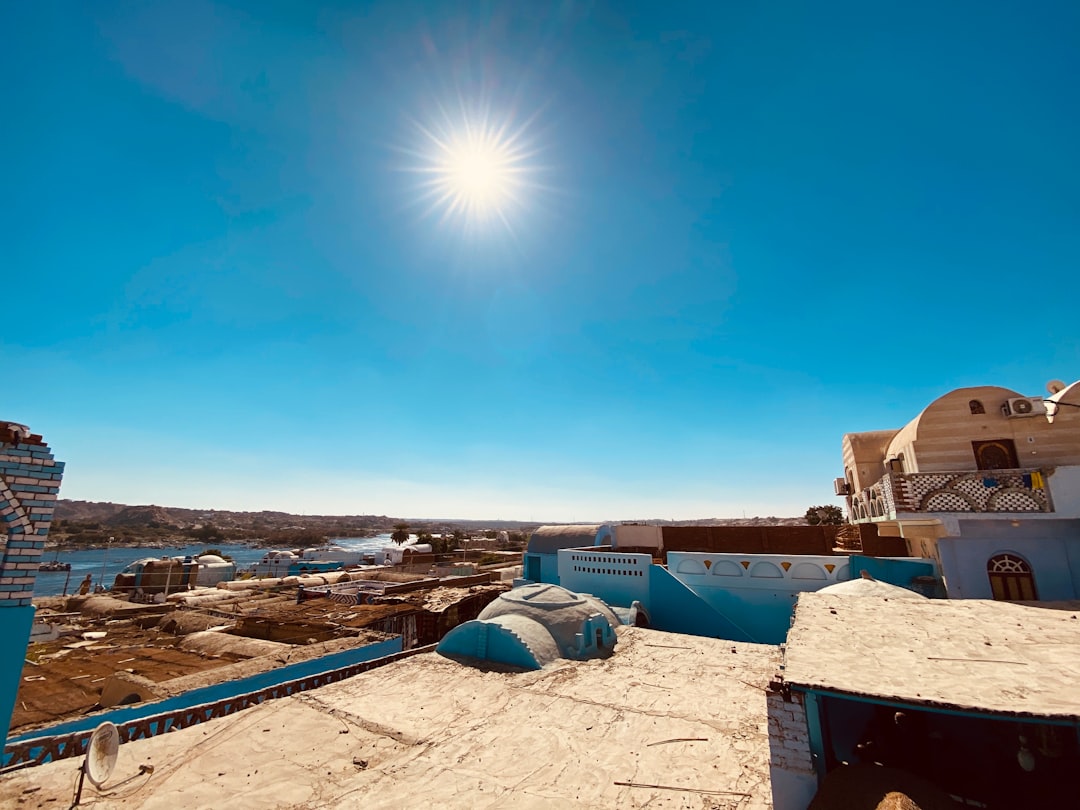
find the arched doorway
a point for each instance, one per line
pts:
(998, 454)
(1011, 579)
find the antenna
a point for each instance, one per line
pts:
(1055, 387)
(100, 758)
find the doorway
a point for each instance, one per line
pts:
(996, 454)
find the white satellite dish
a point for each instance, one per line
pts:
(1055, 386)
(101, 753)
(100, 759)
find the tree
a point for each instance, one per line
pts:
(824, 516)
(423, 536)
(400, 534)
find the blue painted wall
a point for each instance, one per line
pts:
(15, 624)
(221, 691)
(675, 608)
(898, 571)
(1055, 565)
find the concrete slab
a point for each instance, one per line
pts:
(682, 719)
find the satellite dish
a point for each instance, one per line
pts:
(1055, 386)
(101, 753)
(100, 759)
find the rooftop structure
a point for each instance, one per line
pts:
(534, 625)
(986, 482)
(668, 720)
(984, 449)
(977, 697)
(166, 650)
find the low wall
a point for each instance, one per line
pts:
(69, 738)
(756, 592)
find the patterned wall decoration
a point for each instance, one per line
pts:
(29, 482)
(979, 491)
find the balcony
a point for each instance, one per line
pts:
(1010, 491)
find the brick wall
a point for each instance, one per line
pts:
(789, 735)
(29, 482)
(751, 539)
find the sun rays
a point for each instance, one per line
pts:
(475, 171)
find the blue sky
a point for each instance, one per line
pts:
(748, 229)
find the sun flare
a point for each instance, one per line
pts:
(477, 175)
(476, 171)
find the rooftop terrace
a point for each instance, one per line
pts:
(995, 657)
(668, 721)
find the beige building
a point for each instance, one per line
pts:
(968, 435)
(984, 463)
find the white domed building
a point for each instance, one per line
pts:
(533, 625)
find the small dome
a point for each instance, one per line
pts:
(533, 625)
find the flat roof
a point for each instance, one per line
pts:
(970, 654)
(682, 718)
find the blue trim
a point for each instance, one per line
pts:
(816, 732)
(218, 691)
(935, 708)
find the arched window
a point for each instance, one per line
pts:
(1011, 579)
(976, 406)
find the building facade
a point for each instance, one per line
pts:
(984, 480)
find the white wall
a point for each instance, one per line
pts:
(618, 579)
(638, 536)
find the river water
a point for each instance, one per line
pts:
(105, 564)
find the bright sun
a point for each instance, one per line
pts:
(475, 171)
(477, 175)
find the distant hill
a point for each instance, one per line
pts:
(123, 515)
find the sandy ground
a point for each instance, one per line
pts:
(667, 710)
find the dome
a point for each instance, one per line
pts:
(533, 625)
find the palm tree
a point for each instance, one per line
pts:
(400, 534)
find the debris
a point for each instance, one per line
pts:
(360, 763)
(677, 739)
(980, 660)
(685, 789)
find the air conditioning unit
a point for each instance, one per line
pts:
(840, 486)
(1024, 406)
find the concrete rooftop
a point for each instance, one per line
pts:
(974, 654)
(681, 712)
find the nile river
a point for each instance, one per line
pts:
(112, 560)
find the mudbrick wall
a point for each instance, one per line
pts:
(794, 777)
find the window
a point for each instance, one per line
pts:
(1011, 578)
(976, 406)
